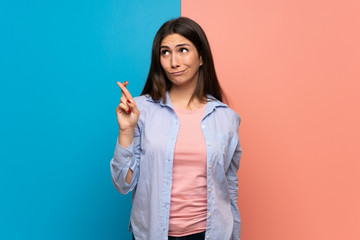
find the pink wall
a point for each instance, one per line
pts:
(292, 72)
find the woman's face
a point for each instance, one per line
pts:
(180, 60)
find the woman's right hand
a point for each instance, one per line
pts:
(127, 113)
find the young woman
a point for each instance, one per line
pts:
(178, 147)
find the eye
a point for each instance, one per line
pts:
(184, 50)
(164, 52)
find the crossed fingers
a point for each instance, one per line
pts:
(126, 97)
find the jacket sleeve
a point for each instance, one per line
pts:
(232, 180)
(123, 160)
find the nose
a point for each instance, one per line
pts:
(174, 61)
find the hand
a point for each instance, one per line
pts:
(127, 113)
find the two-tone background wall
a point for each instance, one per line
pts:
(291, 70)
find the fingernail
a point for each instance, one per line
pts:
(129, 111)
(128, 101)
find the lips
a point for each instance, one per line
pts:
(177, 73)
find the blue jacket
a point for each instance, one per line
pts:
(150, 156)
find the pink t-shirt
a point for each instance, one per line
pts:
(188, 194)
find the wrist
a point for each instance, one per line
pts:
(127, 132)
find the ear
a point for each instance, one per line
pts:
(201, 62)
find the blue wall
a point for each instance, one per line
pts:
(59, 63)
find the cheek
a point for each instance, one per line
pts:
(194, 62)
(163, 63)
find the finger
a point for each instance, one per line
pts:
(131, 103)
(124, 108)
(123, 100)
(124, 91)
(125, 84)
(119, 109)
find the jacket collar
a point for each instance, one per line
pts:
(212, 102)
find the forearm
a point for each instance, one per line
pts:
(233, 189)
(124, 165)
(122, 176)
(126, 137)
(233, 184)
(129, 176)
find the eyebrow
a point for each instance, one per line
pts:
(179, 45)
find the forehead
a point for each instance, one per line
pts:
(174, 39)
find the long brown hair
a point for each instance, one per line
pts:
(157, 83)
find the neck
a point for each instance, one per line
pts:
(180, 98)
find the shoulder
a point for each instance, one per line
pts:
(144, 102)
(224, 112)
(141, 99)
(231, 116)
